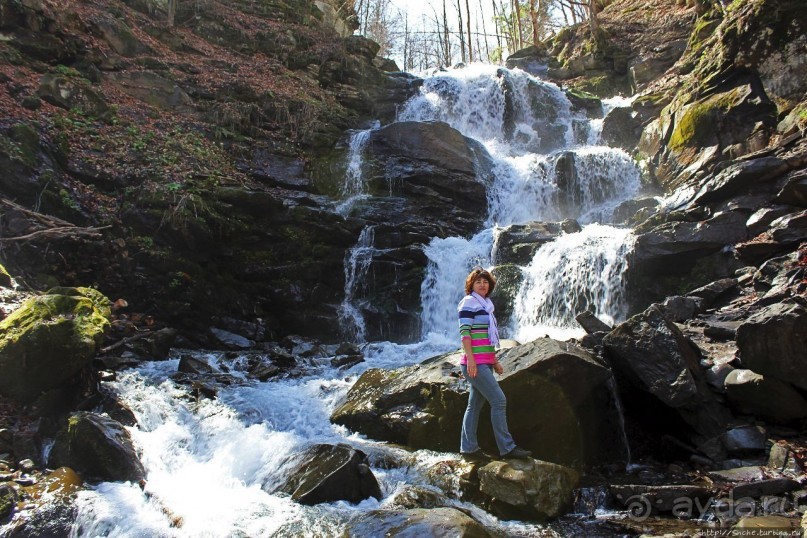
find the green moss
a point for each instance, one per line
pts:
(5, 278)
(698, 124)
(49, 338)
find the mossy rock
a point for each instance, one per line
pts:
(98, 447)
(5, 278)
(49, 339)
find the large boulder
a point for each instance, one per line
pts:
(772, 342)
(539, 489)
(560, 405)
(766, 397)
(651, 357)
(72, 93)
(328, 473)
(433, 522)
(97, 447)
(518, 243)
(49, 339)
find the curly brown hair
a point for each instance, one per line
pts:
(478, 273)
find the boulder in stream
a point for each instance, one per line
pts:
(538, 489)
(98, 447)
(560, 404)
(432, 522)
(328, 473)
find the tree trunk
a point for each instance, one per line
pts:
(535, 6)
(470, 39)
(171, 6)
(592, 19)
(484, 33)
(462, 36)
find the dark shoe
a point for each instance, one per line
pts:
(476, 455)
(517, 453)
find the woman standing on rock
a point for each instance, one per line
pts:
(480, 336)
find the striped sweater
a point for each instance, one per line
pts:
(474, 325)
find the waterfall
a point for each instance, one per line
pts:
(450, 261)
(577, 272)
(357, 265)
(354, 186)
(211, 463)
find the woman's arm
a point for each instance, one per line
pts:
(469, 355)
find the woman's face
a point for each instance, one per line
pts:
(481, 286)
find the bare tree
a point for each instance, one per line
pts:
(470, 41)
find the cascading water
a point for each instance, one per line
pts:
(211, 464)
(577, 272)
(583, 182)
(357, 263)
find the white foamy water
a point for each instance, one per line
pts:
(577, 272)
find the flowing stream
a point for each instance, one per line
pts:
(210, 462)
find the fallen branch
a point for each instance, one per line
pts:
(58, 233)
(124, 341)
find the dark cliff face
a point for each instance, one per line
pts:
(191, 162)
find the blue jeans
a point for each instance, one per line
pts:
(485, 387)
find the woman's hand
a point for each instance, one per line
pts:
(498, 368)
(471, 366)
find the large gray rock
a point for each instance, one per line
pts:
(518, 243)
(559, 405)
(97, 447)
(772, 342)
(72, 93)
(765, 397)
(650, 354)
(676, 242)
(328, 473)
(622, 128)
(540, 489)
(432, 523)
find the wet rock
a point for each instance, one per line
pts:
(230, 340)
(591, 323)
(156, 345)
(192, 365)
(98, 447)
(518, 243)
(769, 487)
(679, 308)
(765, 397)
(635, 211)
(572, 417)
(645, 500)
(542, 490)
(420, 522)
(739, 177)
(622, 128)
(49, 339)
(650, 354)
(745, 440)
(419, 497)
(750, 473)
(772, 342)
(328, 473)
(714, 290)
